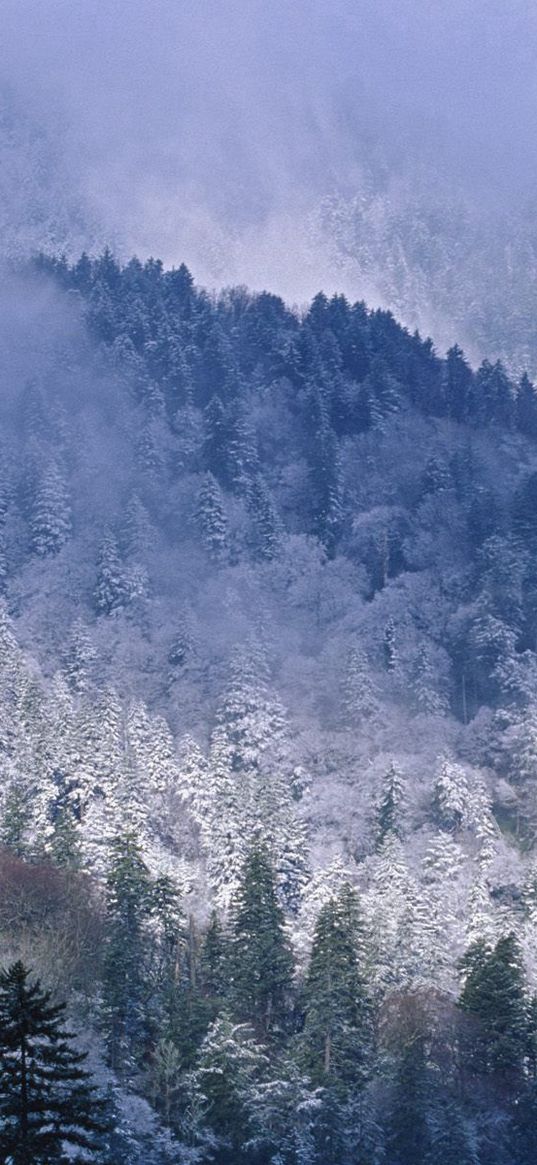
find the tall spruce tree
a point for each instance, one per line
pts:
(129, 905)
(48, 1108)
(211, 518)
(337, 1036)
(111, 590)
(408, 1135)
(336, 1042)
(493, 995)
(391, 807)
(260, 959)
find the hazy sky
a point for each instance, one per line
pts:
(208, 129)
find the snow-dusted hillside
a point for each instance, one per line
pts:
(268, 581)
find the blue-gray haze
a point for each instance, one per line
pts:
(350, 144)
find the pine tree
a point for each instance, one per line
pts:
(359, 696)
(211, 518)
(424, 683)
(337, 1037)
(80, 657)
(326, 484)
(138, 534)
(493, 995)
(268, 529)
(391, 807)
(527, 407)
(242, 457)
(48, 1109)
(220, 1090)
(389, 646)
(217, 431)
(458, 384)
(261, 963)
(50, 514)
(451, 797)
(214, 964)
(129, 904)
(408, 1134)
(248, 784)
(284, 1113)
(111, 589)
(379, 396)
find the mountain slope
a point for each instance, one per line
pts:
(267, 578)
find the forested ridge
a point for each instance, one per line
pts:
(268, 730)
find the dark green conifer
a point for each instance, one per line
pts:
(129, 904)
(493, 995)
(337, 1036)
(261, 963)
(47, 1104)
(391, 807)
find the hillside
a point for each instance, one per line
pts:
(268, 642)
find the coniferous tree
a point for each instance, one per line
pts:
(261, 963)
(493, 996)
(50, 514)
(458, 384)
(268, 529)
(337, 1036)
(359, 696)
(380, 396)
(129, 903)
(337, 1040)
(211, 518)
(325, 476)
(408, 1135)
(111, 589)
(215, 450)
(220, 1090)
(242, 457)
(389, 646)
(48, 1109)
(526, 406)
(214, 965)
(80, 657)
(391, 807)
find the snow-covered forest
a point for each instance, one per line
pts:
(268, 731)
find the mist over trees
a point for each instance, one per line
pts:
(268, 725)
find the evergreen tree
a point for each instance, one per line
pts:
(391, 807)
(408, 1136)
(493, 996)
(48, 1109)
(268, 529)
(458, 384)
(451, 797)
(211, 518)
(389, 646)
(325, 479)
(215, 451)
(50, 514)
(359, 695)
(220, 1091)
(242, 457)
(17, 812)
(80, 657)
(260, 957)
(111, 589)
(526, 406)
(424, 683)
(380, 396)
(138, 532)
(214, 964)
(337, 1036)
(125, 988)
